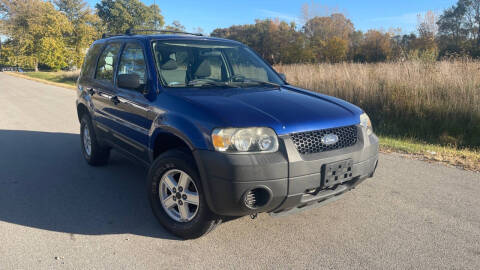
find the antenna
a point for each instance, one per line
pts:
(155, 17)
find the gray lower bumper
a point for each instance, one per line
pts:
(305, 201)
(292, 181)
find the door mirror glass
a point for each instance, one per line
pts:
(129, 81)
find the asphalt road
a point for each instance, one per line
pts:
(57, 212)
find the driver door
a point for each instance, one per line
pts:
(132, 105)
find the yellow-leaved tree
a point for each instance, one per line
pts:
(36, 30)
(86, 29)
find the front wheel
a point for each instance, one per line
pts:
(177, 197)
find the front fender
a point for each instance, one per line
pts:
(181, 127)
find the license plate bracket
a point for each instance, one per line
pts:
(336, 173)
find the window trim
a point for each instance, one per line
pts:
(147, 77)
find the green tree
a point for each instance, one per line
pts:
(52, 52)
(459, 28)
(32, 26)
(86, 27)
(120, 15)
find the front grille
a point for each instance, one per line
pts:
(311, 142)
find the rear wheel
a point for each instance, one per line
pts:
(177, 197)
(94, 153)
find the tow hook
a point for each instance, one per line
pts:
(253, 216)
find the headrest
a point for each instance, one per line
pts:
(204, 69)
(170, 64)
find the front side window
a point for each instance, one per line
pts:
(106, 63)
(183, 64)
(132, 62)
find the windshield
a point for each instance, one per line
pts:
(211, 64)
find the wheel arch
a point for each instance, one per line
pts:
(165, 140)
(82, 109)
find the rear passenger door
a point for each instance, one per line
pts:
(132, 104)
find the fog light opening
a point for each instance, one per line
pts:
(256, 198)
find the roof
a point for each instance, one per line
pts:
(167, 35)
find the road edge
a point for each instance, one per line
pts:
(19, 75)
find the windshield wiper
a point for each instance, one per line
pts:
(209, 84)
(263, 83)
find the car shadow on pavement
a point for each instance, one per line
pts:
(46, 184)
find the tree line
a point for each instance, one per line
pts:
(55, 34)
(333, 38)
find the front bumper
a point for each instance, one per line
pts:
(292, 181)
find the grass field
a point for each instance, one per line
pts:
(66, 77)
(437, 103)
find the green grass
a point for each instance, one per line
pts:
(65, 77)
(466, 158)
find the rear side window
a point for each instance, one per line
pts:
(132, 62)
(90, 62)
(106, 63)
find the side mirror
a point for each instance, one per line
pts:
(129, 81)
(283, 76)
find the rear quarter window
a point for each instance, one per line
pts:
(106, 63)
(88, 68)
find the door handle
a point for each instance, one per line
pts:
(91, 91)
(115, 100)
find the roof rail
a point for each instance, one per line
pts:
(130, 32)
(107, 35)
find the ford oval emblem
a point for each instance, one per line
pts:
(330, 139)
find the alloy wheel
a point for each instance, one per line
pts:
(87, 141)
(179, 195)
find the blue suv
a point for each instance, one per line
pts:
(222, 133)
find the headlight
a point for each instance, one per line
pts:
(245, 140)
(366, 123)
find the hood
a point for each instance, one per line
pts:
(286, 110)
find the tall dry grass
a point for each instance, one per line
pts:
(436, 102)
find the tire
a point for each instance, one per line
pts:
(95, 154)
(203, 220)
